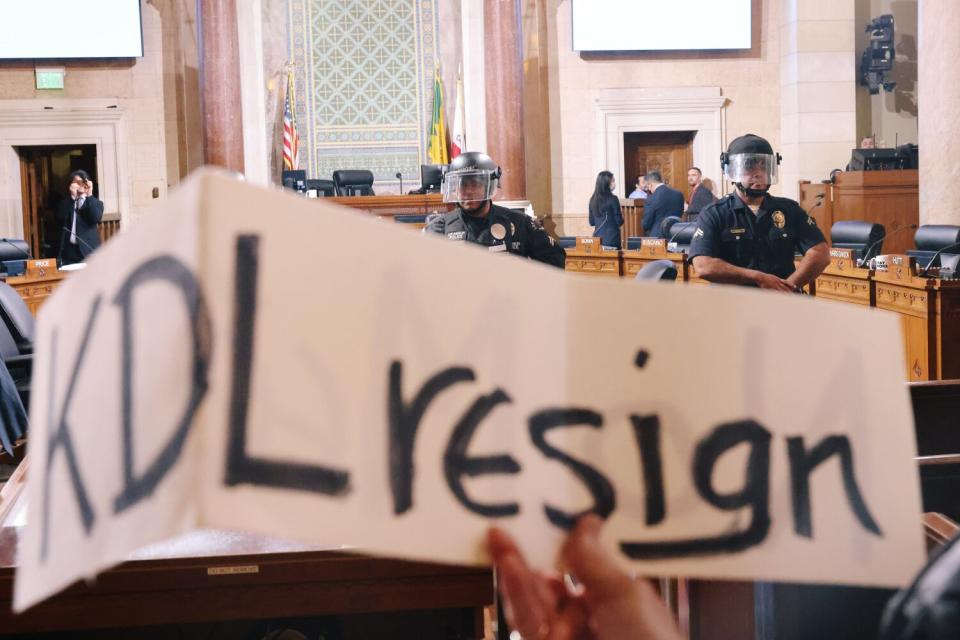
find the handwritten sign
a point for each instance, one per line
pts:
(214, 367)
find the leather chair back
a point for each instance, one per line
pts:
(657, 270)
(353, 182)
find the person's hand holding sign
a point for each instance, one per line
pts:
(609, 605)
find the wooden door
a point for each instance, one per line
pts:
(669, 152)
(33, 176)
(44, 178)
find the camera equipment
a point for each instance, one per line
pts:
(878, 57)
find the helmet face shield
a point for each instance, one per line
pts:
(751, 168)
(468, 185)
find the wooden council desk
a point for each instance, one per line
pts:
(652, 249)
(238, 581)
(588, 257)
(844, 281)
(38, 283)
(929, 310)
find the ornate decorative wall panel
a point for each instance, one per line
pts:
(364, 79)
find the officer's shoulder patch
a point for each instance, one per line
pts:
(811, 221)
(698, 233)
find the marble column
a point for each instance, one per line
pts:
(938, 102)
(818, 106)
(222, 111)
(504, 93)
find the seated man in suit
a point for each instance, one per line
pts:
(470, 182)
(78, 216)
(662, 203)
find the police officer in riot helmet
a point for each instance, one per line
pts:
(470, 182)
(750, 237)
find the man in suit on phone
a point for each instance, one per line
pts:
(78, 217)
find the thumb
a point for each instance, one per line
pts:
(592, 564)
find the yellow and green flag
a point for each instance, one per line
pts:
(437, 149)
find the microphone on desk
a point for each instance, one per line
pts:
(937, 255)
(399, 177)
(863, 260)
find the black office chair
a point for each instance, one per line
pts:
(667, 226)
(16, 339)
(13, 414)
(14, 254)
(931, 238)
(324, 188)
(865, 238)
(658, 270)
(410, 218)
(353, 182)
(681, 234)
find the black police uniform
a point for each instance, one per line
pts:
(521, 237)
(766, 241)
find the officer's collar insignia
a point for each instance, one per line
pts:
(779, 220)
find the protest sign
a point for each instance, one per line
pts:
(247, 359)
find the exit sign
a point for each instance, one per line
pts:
(50, 78)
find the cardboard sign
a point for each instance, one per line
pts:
(231, 362)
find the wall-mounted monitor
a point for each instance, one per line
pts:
(65, 29)
(659, 25)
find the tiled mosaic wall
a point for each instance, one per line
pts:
(363, 74)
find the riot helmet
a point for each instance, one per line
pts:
(750, 159)
(472, 177)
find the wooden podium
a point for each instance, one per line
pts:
(891, 198)
(929, 311)
(389, 206)
(590, 258)
(652, 249)
(844, 281)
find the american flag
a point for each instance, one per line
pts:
(291, 141)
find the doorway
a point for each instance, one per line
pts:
(44, 174)
(669, 152)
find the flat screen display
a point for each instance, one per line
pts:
(66, 29)
(661, 25)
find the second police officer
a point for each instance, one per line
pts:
(470, 182)
(750, 237)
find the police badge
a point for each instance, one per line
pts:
(779, 220)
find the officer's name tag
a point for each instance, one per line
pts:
(498, 248)
(457, 235)
(738, 232)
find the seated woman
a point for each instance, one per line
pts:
(605, 214)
